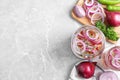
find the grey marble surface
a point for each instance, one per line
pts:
(35, 39)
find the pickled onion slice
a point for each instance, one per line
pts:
(87, 41)
(79, 46)
(115, 52)
(92, 34)
(114, 57)
(116, 62)
(98, 40)
(81, 34)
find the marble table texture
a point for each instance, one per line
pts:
(35, 39)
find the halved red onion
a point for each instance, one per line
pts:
(79, 11)
(108, 75)
(89, 2)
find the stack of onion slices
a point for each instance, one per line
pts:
(94, 10)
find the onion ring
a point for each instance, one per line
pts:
(89, 3)
(77, 49)
(92, 34)
(96, 16)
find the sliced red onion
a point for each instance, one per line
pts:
(89, 48)
(96, 3)
(92, 38)
(85, 8)
(89, 14)
(108, 59)
(117, 56)
(89, 2)
(81, 33)
(102, 10)
(80, 42)
(114, 58)
(79, 11)
(94, 9)
(94, 51)
(108, 75)
(76, 48)
(111, 53)
(95, 17)
(98, 40)
(116, 62)
(115, 51)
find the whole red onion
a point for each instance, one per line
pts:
(113, 18)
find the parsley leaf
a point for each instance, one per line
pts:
(107, 30)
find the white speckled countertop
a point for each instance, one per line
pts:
(35, 39)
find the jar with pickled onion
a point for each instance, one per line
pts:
(112, 58)
(87, 42)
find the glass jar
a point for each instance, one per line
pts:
(112, 58)
(87, 42)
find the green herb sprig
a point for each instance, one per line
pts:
(107, 30)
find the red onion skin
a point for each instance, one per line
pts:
(113, 18)
(108, 61)
(86, 69)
